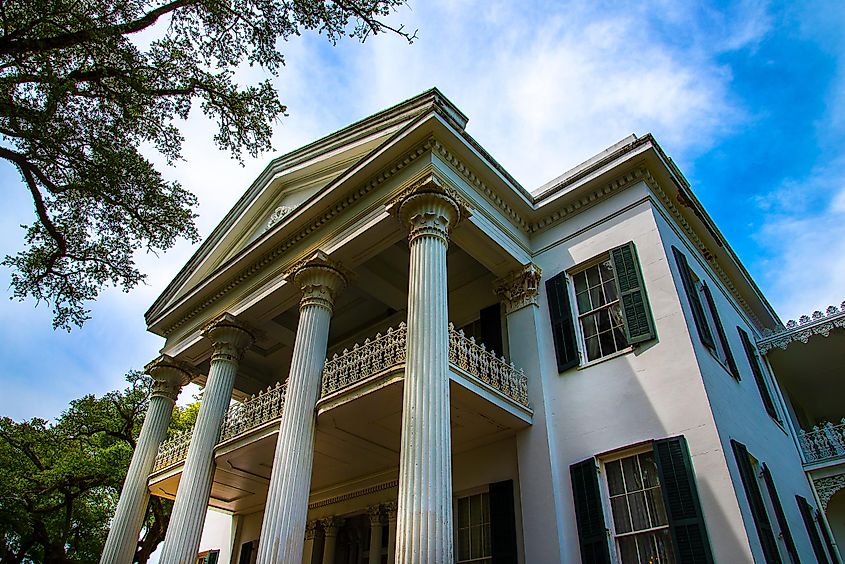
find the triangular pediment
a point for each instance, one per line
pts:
(292, 180)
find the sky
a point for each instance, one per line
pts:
(747, 97)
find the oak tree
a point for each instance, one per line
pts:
(85, 83)
(62, 479)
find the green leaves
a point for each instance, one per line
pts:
(61, 480)
(79, 96)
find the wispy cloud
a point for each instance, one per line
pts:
(546, 84)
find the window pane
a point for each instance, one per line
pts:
(654, 498)
(639, 513)
(614, 477)
(655, 547)
(475, 510)
(580, 280)
(593, 276)
(463, 544)
(606, 271)
(619, 337)
(589, 325)
(631, 469)
(463, 512)
(648, 468)
(610, 291)
(606, 342)
(596, 297)
(593, 349)
(475, 542)
(621, 519)
(604, 320)
(583, 300)
(628, 550)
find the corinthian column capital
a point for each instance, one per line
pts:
(229, 337)
(519, 288)
(429, 208)
(319, 279)
(170, 375)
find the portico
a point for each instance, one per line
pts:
(391, 280)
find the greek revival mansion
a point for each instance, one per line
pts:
(407, 357)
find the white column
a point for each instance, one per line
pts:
(310, 537)
(283, 528)
(169, 375)
(331, 526)
(374, 513)
(539, 479)
(424, 528)
(229, 339)
(390, 507)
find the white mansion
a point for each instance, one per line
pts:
(407, 357)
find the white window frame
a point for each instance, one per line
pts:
(604, 488)
(465, 494)
(584, 361)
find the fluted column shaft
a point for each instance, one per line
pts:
(391, 531)
(170, 375)
(286, 511)
(229, 339)
(374, 514)
(331, 526)
(424, 528)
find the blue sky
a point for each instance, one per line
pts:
(748, 98)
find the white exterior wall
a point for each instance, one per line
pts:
(737, 407)
(654, 392)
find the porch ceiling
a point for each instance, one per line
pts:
(813, 375)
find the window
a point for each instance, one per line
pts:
(705, 315)
(640, 524)
(748, 475)
(611, 308)
(208, 557)
(813, 532)
(599, 311)
(473, 529)
(759, 377)
(655, 513)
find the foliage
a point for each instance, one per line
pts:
(85, 83)
(61, 480)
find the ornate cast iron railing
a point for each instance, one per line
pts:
(387, 351)
(824, 441)
(174, 449)
(241, 417)
(362, 361)
(485, 366)
(382, 352)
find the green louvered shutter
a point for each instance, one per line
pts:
(639, 324)
(723, 339)
(694, 299)
(592, 531)
(563, 328)
(755, 501)
(759, 378)
(680, 495)
(502, 523)
(783, 524)
(812, 531)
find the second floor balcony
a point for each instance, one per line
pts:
(824, 443)
(495, 388)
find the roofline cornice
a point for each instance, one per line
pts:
(800, 331)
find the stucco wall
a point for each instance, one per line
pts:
(653, 392)
(737, 407)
